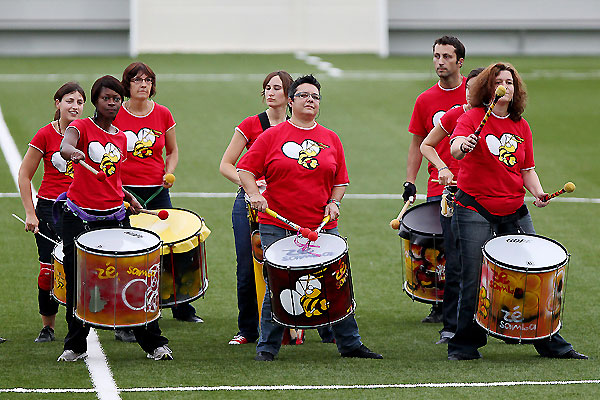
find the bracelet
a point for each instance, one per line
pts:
(337, 203)
(440, 170)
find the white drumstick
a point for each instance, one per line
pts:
(39, 233)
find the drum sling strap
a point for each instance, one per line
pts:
(143, 202)
(498, 221)
(264, 121)
(118, 215)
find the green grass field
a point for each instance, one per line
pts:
(370, 112)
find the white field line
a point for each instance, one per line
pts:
(104, 385)
(315, 387)
(400, 75)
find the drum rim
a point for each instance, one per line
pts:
(125, 253)
(171, 304)
(280, 266)
(413, 230)
(353, 311)
(525, 340)
(197, 233)
(59, 244)
(502, 264)
(115, 326)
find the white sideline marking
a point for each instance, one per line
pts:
(104, 384)
(315, 387)
(397, 75)
(321, 65)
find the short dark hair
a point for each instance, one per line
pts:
(303, 79)
(109, 82)
(132, 71)
(474, 73)
(459, 48)
(286, 81)
(65, 89)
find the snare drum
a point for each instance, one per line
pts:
(59, 282)
(117, 277)
(313, 287)
(183, 276)
(522, 287)
(423, 253)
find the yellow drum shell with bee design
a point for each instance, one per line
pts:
(522, 287)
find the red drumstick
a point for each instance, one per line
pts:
(100, 175)
(162, 214)
(304, 231)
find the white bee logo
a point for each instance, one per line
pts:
(305, 299)
(504, 148)
(305, 153)
(63, 166)
(140, 144)
(107, 156)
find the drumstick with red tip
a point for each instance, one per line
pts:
(304, 231)
(568, 188)
(395, 223)
(438, 181)
(314, 235)
(100, 175)
(162, 214)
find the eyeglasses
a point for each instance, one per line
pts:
(304, 96)
(140, 80)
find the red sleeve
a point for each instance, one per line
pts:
(449, 119)
(416, 125)
(246, 127)
(39, 141)
(169, 120)
(529, 162)
(341, 177)
(254, 159)
(464, 125)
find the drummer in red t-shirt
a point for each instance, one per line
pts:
(98, 204)
(305, 169)
(58, 175)
(430, 106)
(495, 169)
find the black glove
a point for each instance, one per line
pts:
(409, 190)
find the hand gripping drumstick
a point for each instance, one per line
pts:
(395, 223)
(438, 181)
(314, 235)
(162, 214)
(568, 188)
(170, 178)
(500, 91)
(100, 175)
(39, 233)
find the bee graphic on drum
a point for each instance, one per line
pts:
(306, 298)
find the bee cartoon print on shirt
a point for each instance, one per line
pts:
(140, 144)
(306, 298)
(63, 166)
(305, 153)
(107, 156)
(504, 148)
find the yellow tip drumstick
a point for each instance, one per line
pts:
(170, 178)
(569, 187)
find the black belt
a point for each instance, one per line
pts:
(466, 200)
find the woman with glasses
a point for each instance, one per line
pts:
(304, 166)
(150, 130)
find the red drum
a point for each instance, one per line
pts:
(522, 290)
(117, 277)
(59, 282)
(423, 253)
(309, 288)
(183, 277)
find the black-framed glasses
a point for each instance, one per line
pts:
(140, 80)
(304, 96)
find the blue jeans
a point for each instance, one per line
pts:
(246, 286)
(471, 231)
(345, 332)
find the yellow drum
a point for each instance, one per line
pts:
(59, 283)
(183, 276)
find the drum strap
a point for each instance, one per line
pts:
(264, 121)
(118, 215)
(466, 200)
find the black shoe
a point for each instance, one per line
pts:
(192, 318)
(2, 340)
(363, 352)
(46, 335)
(264, 356)
(125, 335)
(572, 354)
(463, 357)
(435, 315)
(445, 337)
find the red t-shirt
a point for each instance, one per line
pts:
(145, 143)
(492, 171)
(250, 128)
(429, 108)
(301, 167)
(448, 123)
(58, 173)
(104, 152)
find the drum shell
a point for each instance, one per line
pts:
(59, 282)
(521, 303)
(334, 302)
(423, 253)
(117, 289)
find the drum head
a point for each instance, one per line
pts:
(57, 253)
(286, 253)
(525, 252)
(180, 226)
(421, 224)
(119, 241)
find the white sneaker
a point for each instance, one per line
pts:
(70, 355)
(161, 353)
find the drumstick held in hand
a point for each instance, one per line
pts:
(100, 175)
(39, 233)
(314, 235)
(438, 181)
(170, 178)
(162, 214)
(303, 231)
(568, 188)
(395, 223)
(500, 92)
